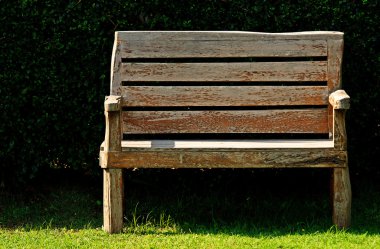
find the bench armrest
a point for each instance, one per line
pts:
(112, 112)
(340, 100)
(112, 103)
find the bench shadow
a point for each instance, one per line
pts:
(238, 202)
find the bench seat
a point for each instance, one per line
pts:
(316, 153)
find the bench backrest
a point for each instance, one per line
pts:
(226, 82)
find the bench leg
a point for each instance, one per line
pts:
(341, 197)
(113, 193)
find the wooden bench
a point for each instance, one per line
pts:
(225, 100)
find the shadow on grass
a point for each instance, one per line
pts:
(239, 202)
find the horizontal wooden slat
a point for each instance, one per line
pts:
(233, 121)
(224, 35)
(170, 48)
(243, 71)
(317, 158)
(228, 144)
(223, 95)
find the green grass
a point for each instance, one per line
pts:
(187, 209)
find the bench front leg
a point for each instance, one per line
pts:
(113, 186)
(113, 193)
(341, 186)
(341, 197)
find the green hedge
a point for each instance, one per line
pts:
(55, 60)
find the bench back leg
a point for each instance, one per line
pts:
(341, 197)
(113, 193)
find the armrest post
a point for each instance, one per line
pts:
(340, 136)
(340, 102)
(112, 107)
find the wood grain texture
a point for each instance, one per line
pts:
(342, 197)
(234, 121)
(113, 193)
(339, 100)
(112, 103)
(340, 136)
(135, 96)
(239, 71)
(226, 35)
(334, 67)
(334, 60)
(116, 66)
(170, 47)
(201, 158)
(112, 140)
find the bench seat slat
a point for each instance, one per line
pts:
(152, 96)
(234, 71)
(231, 121)
(184, 158)
(227, 144)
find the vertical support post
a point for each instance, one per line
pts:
(113, 191)
(341, 186)
(339, 133)
(341, 197)
(334, 77)
(113, 187)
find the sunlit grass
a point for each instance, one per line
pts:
(170, 213)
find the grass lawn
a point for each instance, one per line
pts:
(191, 209)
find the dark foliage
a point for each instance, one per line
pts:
(55, 56)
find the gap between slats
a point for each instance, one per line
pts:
(224, 83)
(227, 136)
(221, 59)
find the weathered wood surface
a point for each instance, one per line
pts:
(237, 71)
(340, 136)
(115, 67)
(226, 35)
(171, 47)
(112, 141)
(341, 194)
(202, 158)
(334, 67)
(339, 103)
(128, 145)
(339, 100)
(232, 121)
(334, 59)
(112, 103)
(113, 196)
(112, 178)
(135, 96)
